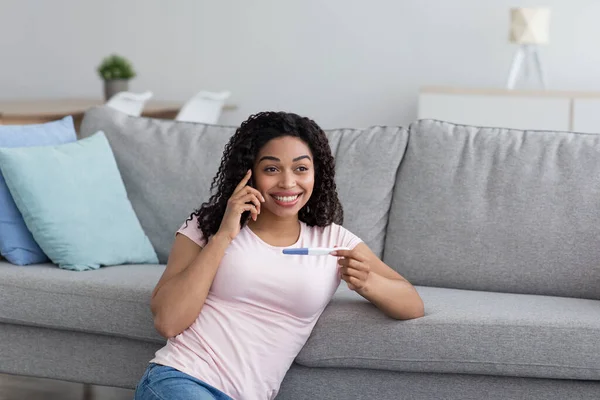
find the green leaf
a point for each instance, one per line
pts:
(115, 67)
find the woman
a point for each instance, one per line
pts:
(235, 310)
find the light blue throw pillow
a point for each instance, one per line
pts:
(16, 242)
(74, 202)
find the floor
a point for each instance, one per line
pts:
(19, 388)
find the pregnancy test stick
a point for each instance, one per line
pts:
(312, 251)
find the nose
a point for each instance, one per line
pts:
(288, 181)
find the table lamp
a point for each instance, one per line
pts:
(528, 28)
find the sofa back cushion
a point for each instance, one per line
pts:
(167, 167)
(366, 163)
(498, 210)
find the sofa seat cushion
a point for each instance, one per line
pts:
(463, 331)
(112, 300)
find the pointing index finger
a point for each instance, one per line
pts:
(341, 253)
(244, 181)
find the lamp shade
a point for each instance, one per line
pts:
(529, 25)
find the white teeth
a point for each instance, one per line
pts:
(286, 199)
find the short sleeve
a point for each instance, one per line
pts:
(190, 229)
(345, 238)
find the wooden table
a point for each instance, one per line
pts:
(21, 112)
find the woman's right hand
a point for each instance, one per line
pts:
(244, 198)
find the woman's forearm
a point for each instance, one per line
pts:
(179, 300)
(396, 298)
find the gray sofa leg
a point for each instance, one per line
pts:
(87, 392)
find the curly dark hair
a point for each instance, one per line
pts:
(240, 154)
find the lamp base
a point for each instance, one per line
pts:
(528, 53)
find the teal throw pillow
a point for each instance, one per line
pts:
(74, 202)
(16, 242)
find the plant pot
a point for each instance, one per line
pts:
(115, 86)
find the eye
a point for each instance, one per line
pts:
(302, 169)
(270, 169)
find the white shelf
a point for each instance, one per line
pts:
(517, 109)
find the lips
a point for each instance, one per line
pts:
(287, 200)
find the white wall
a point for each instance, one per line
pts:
(341, 62)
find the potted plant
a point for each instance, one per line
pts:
(116, 71)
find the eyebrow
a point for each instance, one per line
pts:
(278, 160)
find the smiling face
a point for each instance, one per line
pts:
(284, 174)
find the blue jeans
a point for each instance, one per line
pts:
(165, 383)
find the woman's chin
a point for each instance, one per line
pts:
(286, 212)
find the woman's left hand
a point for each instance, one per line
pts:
(374, 280)
(354, 268)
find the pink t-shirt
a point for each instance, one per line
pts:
(260, 310)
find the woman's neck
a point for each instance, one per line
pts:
(274, 224)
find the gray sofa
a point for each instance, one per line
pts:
(498, 229)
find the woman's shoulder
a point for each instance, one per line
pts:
(191, 229)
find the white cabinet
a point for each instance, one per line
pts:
(540, 110)
(586, 115)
